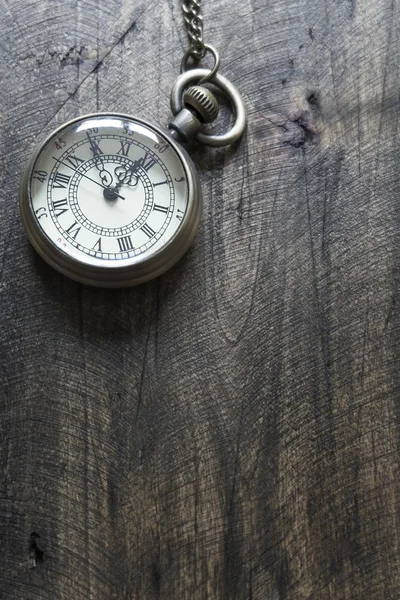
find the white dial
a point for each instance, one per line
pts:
(108, 192)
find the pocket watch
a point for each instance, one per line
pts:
(111, 200)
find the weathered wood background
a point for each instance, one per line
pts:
(231, 430)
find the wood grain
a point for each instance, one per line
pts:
(231, 430)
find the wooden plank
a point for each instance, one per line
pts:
(229, 431)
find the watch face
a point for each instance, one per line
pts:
(108, 191)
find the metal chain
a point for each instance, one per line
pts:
(194, 24)
(194, 104)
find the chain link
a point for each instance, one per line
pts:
(194, 24)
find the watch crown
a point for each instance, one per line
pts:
(202, 101)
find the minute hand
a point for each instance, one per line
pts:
(87, 176)
(98, 159)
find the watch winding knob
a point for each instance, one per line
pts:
(202, 101)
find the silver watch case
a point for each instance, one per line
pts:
(143, 269)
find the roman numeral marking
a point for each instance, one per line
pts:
(162, 209)
(74, 161)
(179, 214)
(73, 232)
(147, 162)
(94, 145)
(125, 147)
(97, 246)
(60, 207)
(161, 183)
(147, 230)
(125, 243)
(61, 181)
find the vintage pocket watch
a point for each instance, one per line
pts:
(113, 201)
(110, 200)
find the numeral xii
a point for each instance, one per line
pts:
(147, 162)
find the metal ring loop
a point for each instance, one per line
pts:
(192, 52)
(230, 92)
